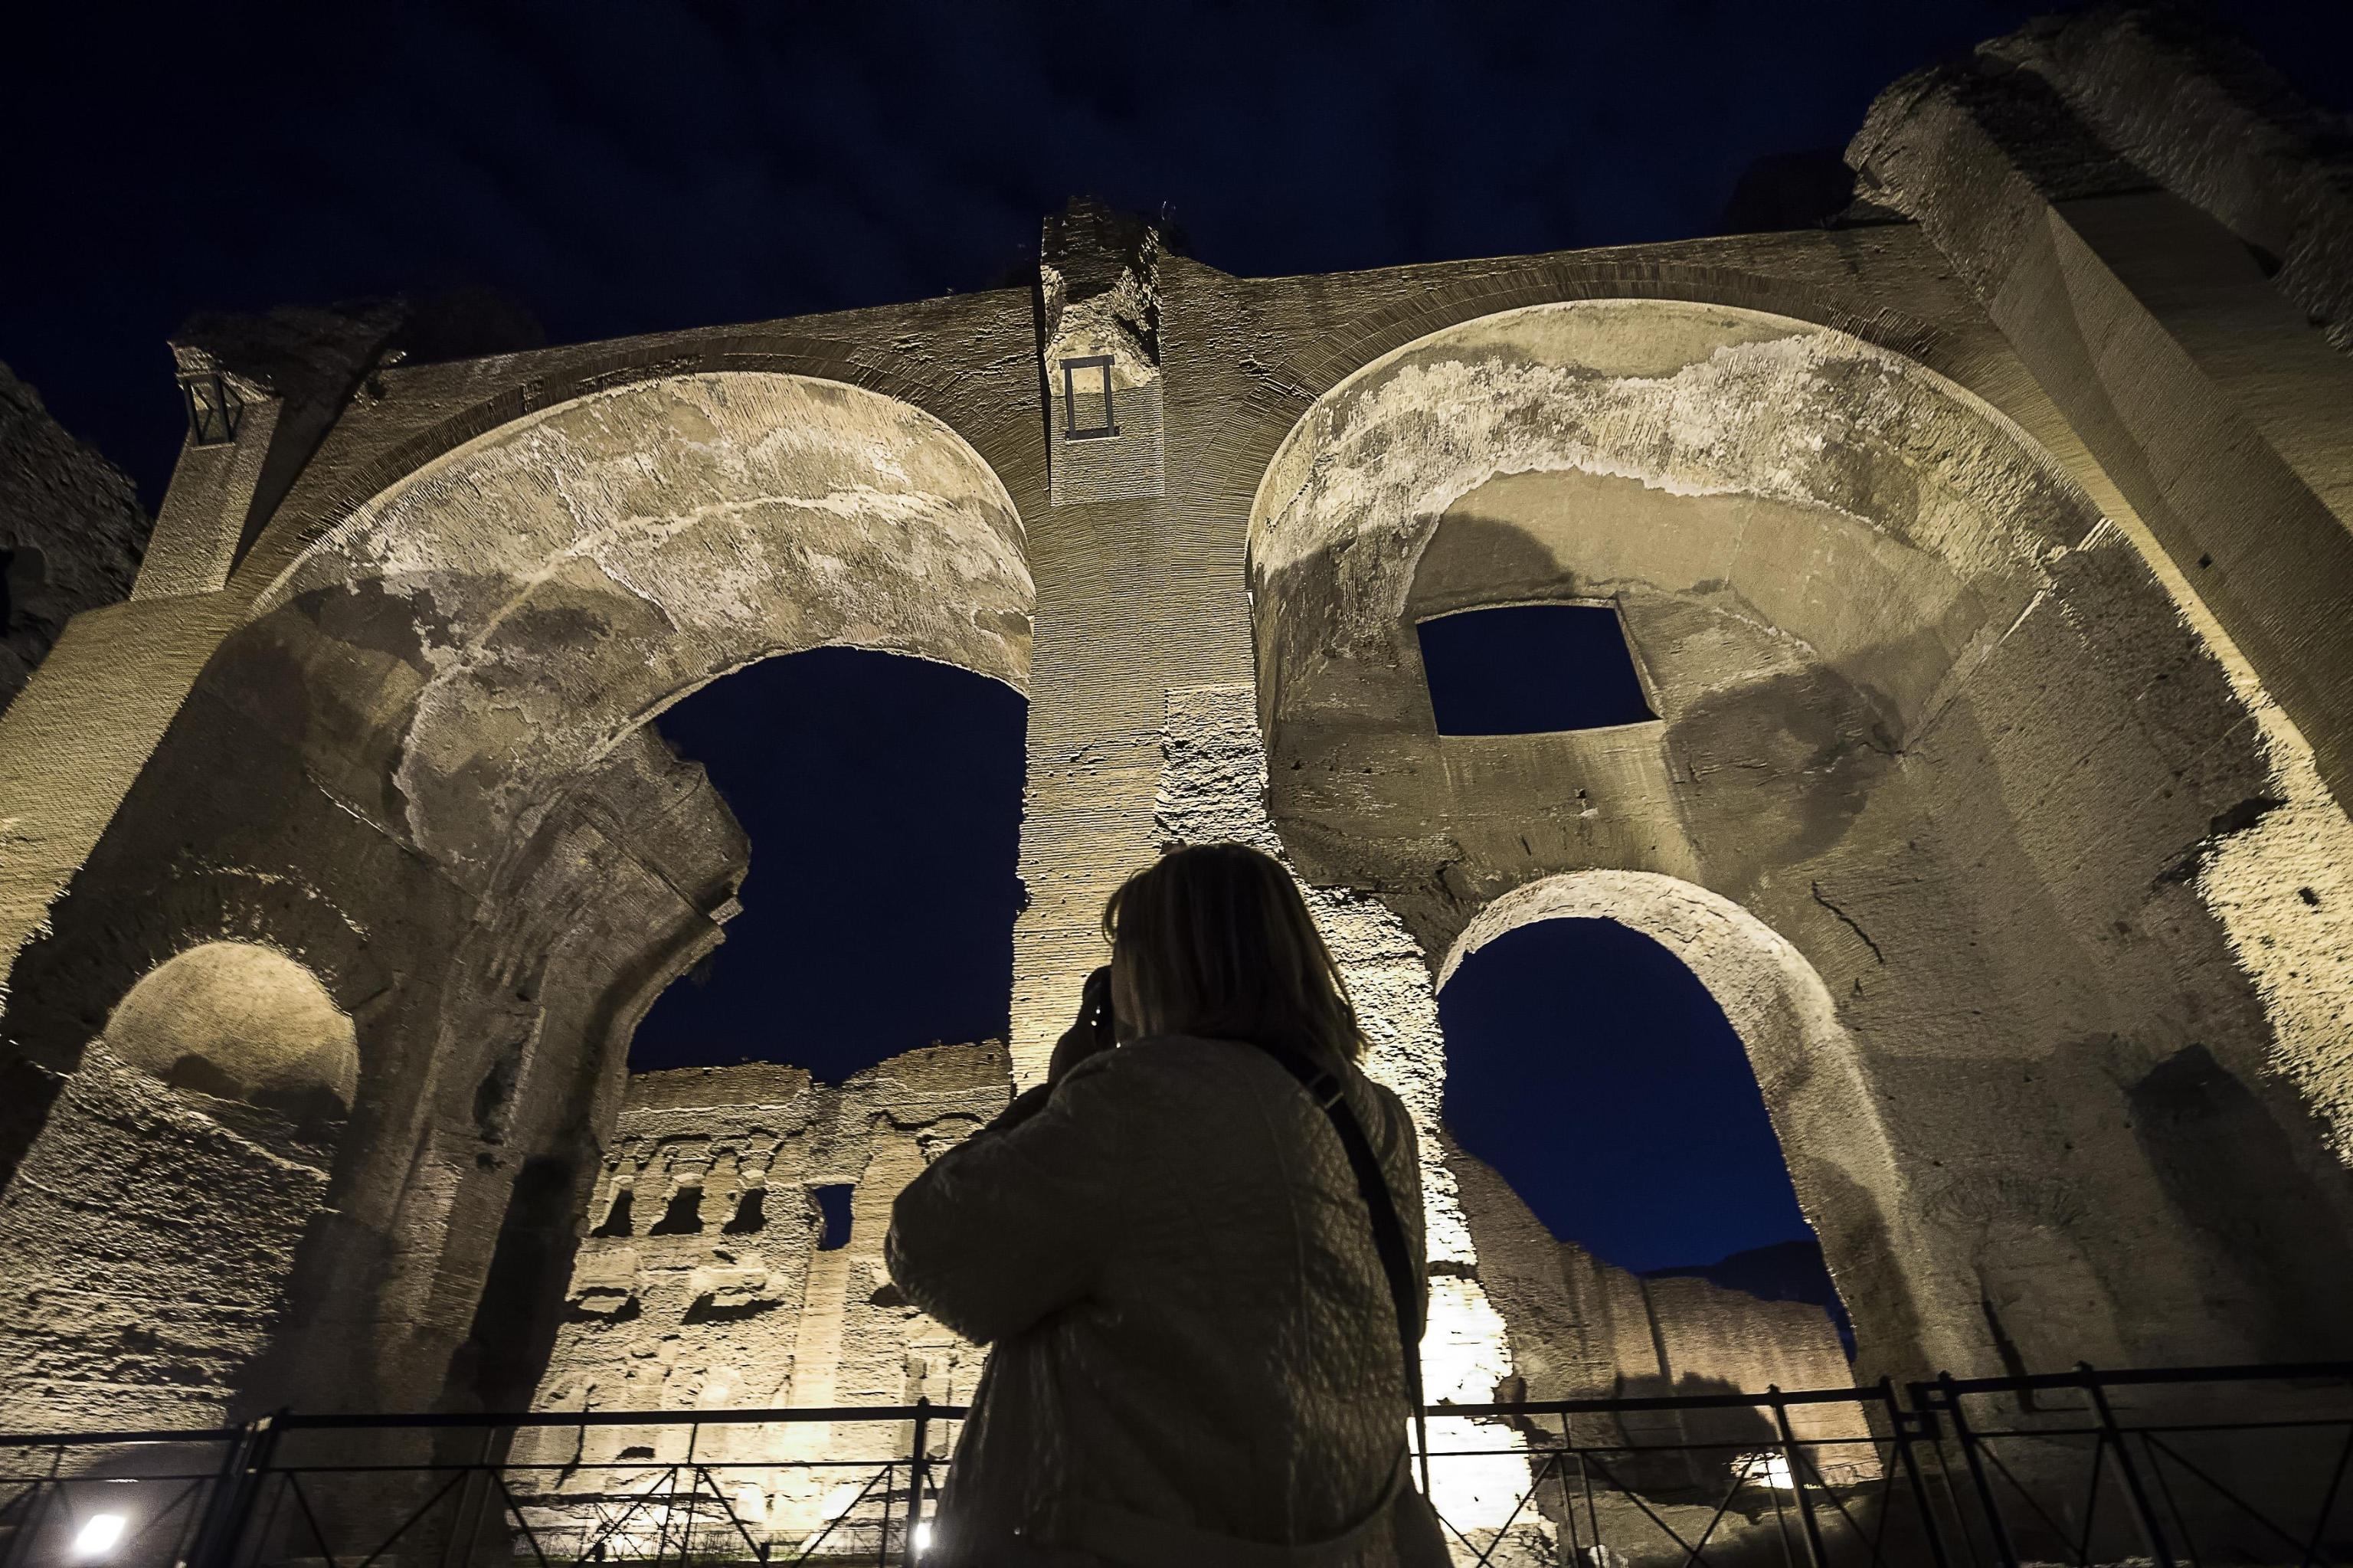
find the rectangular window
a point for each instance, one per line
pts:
(1086, 398)
(683, 1217)
(213, 409)
(833, 1212)
(1531, 669)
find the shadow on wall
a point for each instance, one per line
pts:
(883, 798)
(2231, 1171)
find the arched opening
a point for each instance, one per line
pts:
(882, 796)
(850, 1018)
(1640, 956)
(1923, 717)
(470, 801)
(1594, 1072)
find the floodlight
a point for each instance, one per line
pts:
(923, 1535)
(98, 1535)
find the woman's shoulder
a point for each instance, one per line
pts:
(1202, 1060)
(1396, 1116)
(1175, 1057)
(1189, 1064)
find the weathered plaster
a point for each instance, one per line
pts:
(664, 533)
(1921, 711)
(151, 1234)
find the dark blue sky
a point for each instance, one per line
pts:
(882, 796)
(621, 167)
(1477, 664)
(1591, 1068)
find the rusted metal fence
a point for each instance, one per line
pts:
(2178, 1467)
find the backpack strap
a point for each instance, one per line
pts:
(1326, 1089)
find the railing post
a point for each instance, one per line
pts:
(1900, 1421)
(916, 1471)
(2159, 1552)
(44, 1489)
(1816, 1553)
(230, 1508)
(2005, 1550)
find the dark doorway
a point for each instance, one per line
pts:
(1596, 1073)
(882, 797)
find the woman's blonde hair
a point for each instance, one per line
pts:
(1217, 942)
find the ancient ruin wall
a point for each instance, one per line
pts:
(1583, 1329)
(471, 832)
(72, 532)
(1922, 713)
(1922, 716)
(702, 1282)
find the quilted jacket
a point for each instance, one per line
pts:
(1191, 1334)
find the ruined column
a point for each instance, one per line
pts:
(2095, 214)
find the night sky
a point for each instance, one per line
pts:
(619, 169)
(1596, 1075)
(627, 167)
(882, 795)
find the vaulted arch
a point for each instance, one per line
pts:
(1921, 712)
(427, 755)
(1847, 1169)
(570, 574)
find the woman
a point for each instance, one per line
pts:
(1197, 1350)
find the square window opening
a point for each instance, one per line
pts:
(1531, 669)
(213, 408)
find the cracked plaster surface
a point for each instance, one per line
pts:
(651, 538)
(1698, 401)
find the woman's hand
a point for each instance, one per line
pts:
(1090, 1034)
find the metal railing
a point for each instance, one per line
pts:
(2191, 1467)
(120, 1497)
(2164, 1465)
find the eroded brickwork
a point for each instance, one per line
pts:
(706, 1279)
(72, 532)
(150, 1236)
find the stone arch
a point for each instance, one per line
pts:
(443, 699)
(1833, 1136)
(579, 570)
(1921, 711)
(567, 578)
(461, 414)
(1698, 402)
